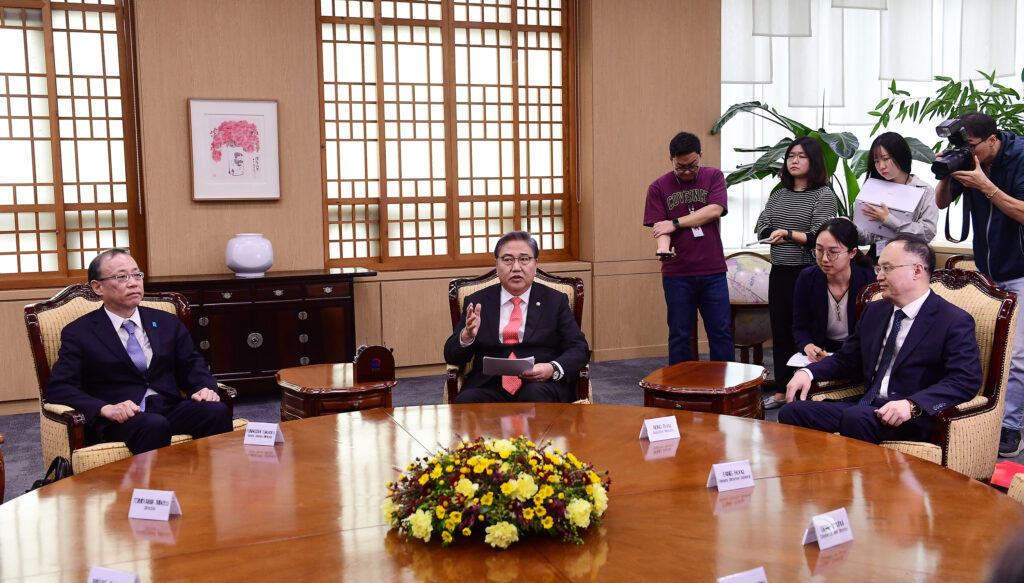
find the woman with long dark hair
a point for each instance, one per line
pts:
(825, 299)
(889, 159)
(790, 222)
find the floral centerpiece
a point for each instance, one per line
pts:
(240, 134)
(503, 487)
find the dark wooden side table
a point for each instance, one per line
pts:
(727, 388)
(324, 389)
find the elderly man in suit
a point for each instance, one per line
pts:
(124, 366)
(518, 319)
(916, 352)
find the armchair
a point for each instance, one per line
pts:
(962, 261)
(966, 436)
(461, 287)
(62, 428)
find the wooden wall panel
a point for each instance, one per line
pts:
(415, 320)
(366, 296)
(632, 316)
(259, 49)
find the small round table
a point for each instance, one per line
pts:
(727, 388)
(325, 389)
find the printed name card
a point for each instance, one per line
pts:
(660, 429)
(105, 575)
(731, 476)
(829, 529)
(153, 504)
(752, 576)
(263, 434)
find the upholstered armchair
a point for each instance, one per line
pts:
(460, 288)
(62, 428)
(962, 261)
(966, 436)
(1016, 490)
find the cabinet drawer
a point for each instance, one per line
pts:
(279, 292)
(329, 290)
(227, 295)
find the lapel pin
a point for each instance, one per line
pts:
(537, 304)
(154, 324)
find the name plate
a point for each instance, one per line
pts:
(153, 504)
(731, 476)
(829, 529)
(263, 434)
(105, 575)
(752, 576)
(660, 429)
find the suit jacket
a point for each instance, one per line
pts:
(810, 303)
(551, 334)
(93, 368)
(937, 366)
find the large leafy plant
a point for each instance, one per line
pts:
(838, 147)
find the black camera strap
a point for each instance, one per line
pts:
(965, 227)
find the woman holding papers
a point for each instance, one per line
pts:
(789, 223)
(825, 300)
(889, 160)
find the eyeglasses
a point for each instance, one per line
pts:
(793, 156)
(523, 260)
(688, 168)
(124, 277)
(832, 254)
(887, 268)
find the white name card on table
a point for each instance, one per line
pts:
(660, 429)
(752, 576)
(105, 575)
(731, 476)
(263, 434)
(153, 504)
(829, 529)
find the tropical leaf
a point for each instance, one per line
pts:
(859, 163)
(831, 158)
(844, 144)
(919, 151)
(852, 187)
(735, 108)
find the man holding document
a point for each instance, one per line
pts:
(517, 320)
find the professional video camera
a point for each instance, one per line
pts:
(957, 157)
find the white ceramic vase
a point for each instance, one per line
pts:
(249, 255)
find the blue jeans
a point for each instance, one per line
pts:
(1013, 416)
(684, 296)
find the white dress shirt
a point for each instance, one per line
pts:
(910, 311)
(140, 335)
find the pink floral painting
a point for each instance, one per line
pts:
(240, 134)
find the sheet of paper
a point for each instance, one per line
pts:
(798, 360)
(510, 367)
(901, 199)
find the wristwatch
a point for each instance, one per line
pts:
(675, 223)
(556, 372)
(915, 409)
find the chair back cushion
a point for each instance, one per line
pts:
(461, 288)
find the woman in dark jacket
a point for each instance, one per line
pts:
(825, 297)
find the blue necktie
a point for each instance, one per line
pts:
(887, 354)
(134, 348)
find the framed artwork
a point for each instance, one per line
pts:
(234, 149)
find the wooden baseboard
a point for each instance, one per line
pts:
(420, 371)
(19, 406)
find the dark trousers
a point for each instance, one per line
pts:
(852, 419)
(545, 392)
(684, 297)
(166, 416)
(781, 285)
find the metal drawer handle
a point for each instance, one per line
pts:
(226, 295)
(303, 338)
(304, 360)
(255, 340)
(204, 321)
(303, 315)
(679, 406)
(205, 345)
(328, 289)
(278, 292)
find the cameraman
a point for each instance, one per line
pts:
(994, 192)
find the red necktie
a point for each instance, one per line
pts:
(510, 335)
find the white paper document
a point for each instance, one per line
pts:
(798, 360)
(901, 199)
(507, 367)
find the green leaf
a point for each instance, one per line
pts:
(859, 163)
(844, 144)
(852, 187)
(757, 149)
(919, 151)
(881, 103)
(831, 157)
(732, 111)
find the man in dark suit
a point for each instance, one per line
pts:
(521, 319)
(916, 352)
(122, 366)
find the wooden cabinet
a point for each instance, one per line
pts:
(249, 328)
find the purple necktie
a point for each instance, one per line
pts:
(134, 348)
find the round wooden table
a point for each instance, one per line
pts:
(727, 388)
(324, 389)
(309, 509)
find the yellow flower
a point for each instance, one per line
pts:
(420, 524)
(557, 450)
(589, 488)
(508, 487)
(440, 512)
(600, 499)
(546, 491)
(503, 467)
(449, 468)
(479, 469)
(578, 511)
(528, 513)
(446, 536)
(490, 472)
(466, 532)
(502, 447)
(389, 512)
(487, 499)
(465, 488)
(525, 487)
(456, 516)
(538, 499)
(553, 478)
(540, 510)
(473, 461)
(548, 522)
(561, 496)
(501, 535)
(595, 478)
(436, 472)
(424, 478)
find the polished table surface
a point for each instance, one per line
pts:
(309, 509)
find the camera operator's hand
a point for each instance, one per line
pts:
(975, 179)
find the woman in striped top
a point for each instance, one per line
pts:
(790, 223)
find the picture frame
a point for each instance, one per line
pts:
(235, 149)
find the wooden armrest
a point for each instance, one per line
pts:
(63, 414)
(977, 405)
